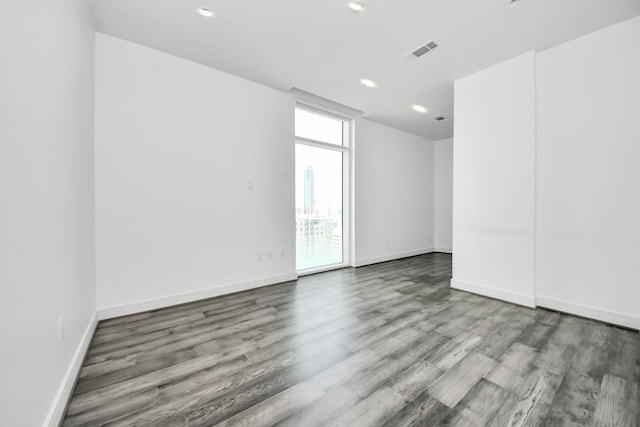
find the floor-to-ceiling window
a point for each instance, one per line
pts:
(322, 144)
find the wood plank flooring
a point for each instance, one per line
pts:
(389, 344)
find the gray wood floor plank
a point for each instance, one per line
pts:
(88, 384)
(276, 408)
(293, 330)
(454, 351)
(484, 310)
(96, 398)
(123, 320)
(597, 334)
(520, 357)
(423, 411)
(506, 377)
(617, 404)
(536, 335)
(170, 341)
(569, 332)
(247, 315)
(496, 344)
(590, 360)
(107, 366)
(312, 342)
(253, 393)
(341, 372)
(109, 350)
(168, 323)
(480, 405)
(456, 327)
(206, 307)
(389, 330)
(623, 355)
(555, 358)
(195, 391)
(575, 401)
(323, 410)
(548, 317)
(416, 379)
(387, 370)
(514, 365)
(118, 408)
(532, 401)
(451, 387)
(373, 411)
(239, 347)
(336, 374)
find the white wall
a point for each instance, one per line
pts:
(443, 195)
(493, 184)
(46, 204)
(177, 145)
(393, 193)
(588, 221)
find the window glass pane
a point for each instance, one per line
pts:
(318, 207)
(321, 128)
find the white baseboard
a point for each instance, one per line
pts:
(155, 303)
(391, 257)
(444, 250)
(621, 319)
(525, 300)
(56, 412)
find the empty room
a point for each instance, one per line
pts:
(320, 213)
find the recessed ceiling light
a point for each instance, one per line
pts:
(419, 108)
(205, 12)
(513, 3)
(368, 83)
(355, 6)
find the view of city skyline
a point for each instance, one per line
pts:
(318, 193)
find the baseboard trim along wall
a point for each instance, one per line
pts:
(57, 410)
(392, 257)
(525, 300)
(156, 303)
(615, 318)
(443, 250)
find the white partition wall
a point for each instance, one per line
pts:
(588, 228)
(493, 181)
(561, 127)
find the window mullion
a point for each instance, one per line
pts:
(320, 144)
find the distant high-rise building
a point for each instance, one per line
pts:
(309, 191)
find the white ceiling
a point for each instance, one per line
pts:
(320, 47)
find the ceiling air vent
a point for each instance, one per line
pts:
(424, 49)
(439, 118)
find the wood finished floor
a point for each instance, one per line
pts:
(389, 344)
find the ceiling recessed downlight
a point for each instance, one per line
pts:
(368, 83)
(419, 108)
(512, 3)
(355, 6)
(205, 12)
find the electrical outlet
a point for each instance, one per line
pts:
(259, 257)
(281, 254)
(61, 329)
(269, 256)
